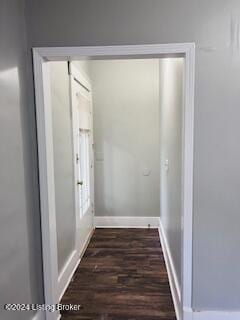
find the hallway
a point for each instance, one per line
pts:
(122, 276)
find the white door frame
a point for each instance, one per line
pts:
(40, 56)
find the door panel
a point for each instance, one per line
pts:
(83, 142)
(84, 171)
(63, 161)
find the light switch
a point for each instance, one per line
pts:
(166, 165)
(146, 172)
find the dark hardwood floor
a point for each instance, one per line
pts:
(122, 276)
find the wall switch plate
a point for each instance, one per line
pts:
(146, 172)
(166, 165)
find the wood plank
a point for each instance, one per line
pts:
(122, 276)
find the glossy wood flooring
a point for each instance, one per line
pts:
(122, 276)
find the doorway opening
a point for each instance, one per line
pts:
(57, 278)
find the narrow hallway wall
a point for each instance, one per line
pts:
(213, 27)
(171, 98)
(126, 134)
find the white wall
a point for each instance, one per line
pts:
(20, 242)
(63, 161)
(213, 26)
(126, 137)
(171, 98)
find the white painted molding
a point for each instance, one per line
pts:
(40, 56)
(126, 222)
(216, 315)
(190, 314)
(85, 245)
(172, 275)
(46, 179)
(187, 178)
(71, 265)
(118, 51)
(67, 273)
(187, 314)
(39, 316)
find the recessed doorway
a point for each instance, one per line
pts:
(55, 284)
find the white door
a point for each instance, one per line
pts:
(84, 166)
(83, 149)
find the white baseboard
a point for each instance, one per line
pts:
(211, 315)
(67, 273)
(39, 316)
(71, 266)
(172, 275)
(126, 222)
(188, 313)
(85, 245)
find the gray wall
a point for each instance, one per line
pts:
(213, 26)
(171, 100)
(63, 161)
(20, 246)
(126, 137)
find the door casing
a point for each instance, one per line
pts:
(48, 220)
